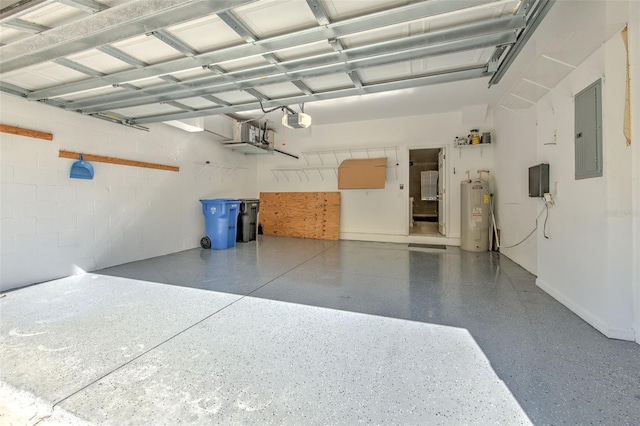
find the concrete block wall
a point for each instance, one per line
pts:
(378, 214)
(53, 226)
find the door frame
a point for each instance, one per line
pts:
(447, 169)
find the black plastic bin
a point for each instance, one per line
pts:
(248, 220)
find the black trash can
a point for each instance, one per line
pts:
(248, 220)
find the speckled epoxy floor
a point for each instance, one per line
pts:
(287, 331)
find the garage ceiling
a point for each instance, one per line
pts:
(144, 61)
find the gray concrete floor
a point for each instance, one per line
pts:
(290, 331)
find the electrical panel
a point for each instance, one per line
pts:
(588, 132)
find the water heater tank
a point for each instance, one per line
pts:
(475, 216)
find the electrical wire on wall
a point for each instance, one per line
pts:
(544, 231)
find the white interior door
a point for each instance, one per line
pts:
(442, 213)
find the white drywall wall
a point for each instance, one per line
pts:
(378, 214)
(634, 60)
(54, 226)
(588, 261)
(515, 212)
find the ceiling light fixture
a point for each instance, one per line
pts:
(298, 120)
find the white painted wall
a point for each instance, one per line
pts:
(53, 226)
(634, 59)
(515, 212)
(588, 261)
(377, 214)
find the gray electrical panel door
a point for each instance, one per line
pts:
(588, 134)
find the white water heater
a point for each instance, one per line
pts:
(475, 216)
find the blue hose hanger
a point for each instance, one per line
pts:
(81, 170)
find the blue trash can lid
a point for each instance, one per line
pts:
(221, 200)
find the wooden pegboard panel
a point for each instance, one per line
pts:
(313, 215)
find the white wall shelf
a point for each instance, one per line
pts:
(308, 172)
(224, 169)
(303, 171)
(248, 148)
(336, 156)
(462, 147)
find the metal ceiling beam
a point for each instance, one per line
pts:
(124, 57)
(385, 18)
(86, 5)
(243, 31)
(319, 12)
(234, 23)
(128, 86)
(355, 79)
(173, 41)
(111, 25)
(78, 67)
(258, 95)
(216, 100)
(540, 11)
(180, 106)
(339, 46)
(335, 68)
(19, 24)
(248, 36)
(21, 92)
(307, 67)
(12, 89)
(20, 8)
(303, 87)
(429, 79)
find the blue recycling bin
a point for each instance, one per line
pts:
(221, 215)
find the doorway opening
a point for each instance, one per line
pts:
(427, 215)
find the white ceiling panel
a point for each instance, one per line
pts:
(113, 3)
(319, 84)
(340, 9)
(284, 30)
(280, 90)
(192, 74)
(43, 75)
(374, 36)
(249, 62)
(236, 97)
(146, 110)
(473, 14)
(54, 15)
(148, 49)
(304, 50)
(386, 72)
(99, 61)
(269, 18)
(108, 90)
(10, 35)
(206, 34)
(197, 102)
(149, 82)
(456, 60)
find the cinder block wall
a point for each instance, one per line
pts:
(53, 226)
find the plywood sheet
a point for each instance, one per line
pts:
(313, 215)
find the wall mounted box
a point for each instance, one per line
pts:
(367, 173)
(538, 180)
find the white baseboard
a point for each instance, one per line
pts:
(593, 320)
(396, 238)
